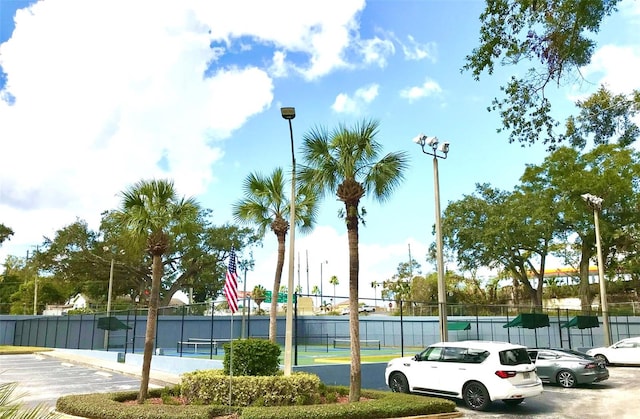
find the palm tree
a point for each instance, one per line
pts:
(334, 281)
(152, 212)
(12, 405)
(259, 294)
(346, 162)
(316, 291)
(266, 205)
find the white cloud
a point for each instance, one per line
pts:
(376, 51)
(111, 92)
(617, 67)
(353, 105)
(428, 88)
(416, 51)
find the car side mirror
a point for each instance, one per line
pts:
(416, 357)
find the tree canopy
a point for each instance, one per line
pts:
(555, 39)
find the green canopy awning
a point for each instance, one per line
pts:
(458, 326)
(529, 321)
(582, 322)
(111, 323)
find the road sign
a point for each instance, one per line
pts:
(282, 297)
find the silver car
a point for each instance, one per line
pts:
(567, 368)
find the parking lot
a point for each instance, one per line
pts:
(614, 398)
(46, 379)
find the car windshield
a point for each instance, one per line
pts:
(515, 356)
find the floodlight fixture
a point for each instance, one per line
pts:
(288, 112)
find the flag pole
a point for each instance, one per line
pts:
(230, 361)
(231, 293)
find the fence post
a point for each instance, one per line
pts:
(401, 331)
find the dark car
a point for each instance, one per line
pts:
(567, 368)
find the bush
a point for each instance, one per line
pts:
(212, 387)
(110, 406)
(252, 357)
(381, 404)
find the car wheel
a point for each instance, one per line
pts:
(601, 358)
(475, 396)
(512, 402)
(398, 383)
(566, 379)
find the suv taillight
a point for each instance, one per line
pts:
(506, 374)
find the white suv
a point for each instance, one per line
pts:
(477, 372)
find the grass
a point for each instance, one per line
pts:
(21, 350)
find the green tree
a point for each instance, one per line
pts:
(259, 294)
(346, 163)
(12, 405)
(5, 233)
(265, 204)
(334, 281)
(608, 171)
(316, 291)
(513, 231)
(195, 260)
(151, 212)
(554, 38)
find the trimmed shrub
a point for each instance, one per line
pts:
(252, 357)
(213, 387)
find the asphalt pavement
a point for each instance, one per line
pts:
(44, 377)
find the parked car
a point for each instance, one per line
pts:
(626, 351)
(566, 367)
(478, 372)
(361, 309)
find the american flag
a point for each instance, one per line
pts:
(231, 283)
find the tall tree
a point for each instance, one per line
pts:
(608, 171)
(316, 291)
(266, 205)
(346, 163)
(152, 212)
(195, 260)
(502, 230)
(258, 294)
(334, 281)
(5, 233)
(554, 38)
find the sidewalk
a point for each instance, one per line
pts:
(165, 370)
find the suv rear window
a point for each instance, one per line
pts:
(514, 357)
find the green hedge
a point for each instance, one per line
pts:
(212, 387)
(109, 406)
(252, 357)
(384, 404)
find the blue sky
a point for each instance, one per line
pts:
(98, 95)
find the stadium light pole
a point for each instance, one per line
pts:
(321, 302)
(289, 113)
(595, 203)
(432, 150)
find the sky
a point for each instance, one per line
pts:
(98, 95)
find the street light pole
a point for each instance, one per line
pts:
(432, 143)
(595, 203)
(321, 302)
(106, 332)
(289, 113)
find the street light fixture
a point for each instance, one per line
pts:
(289, 113)
(438, 151)
(595, 203)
